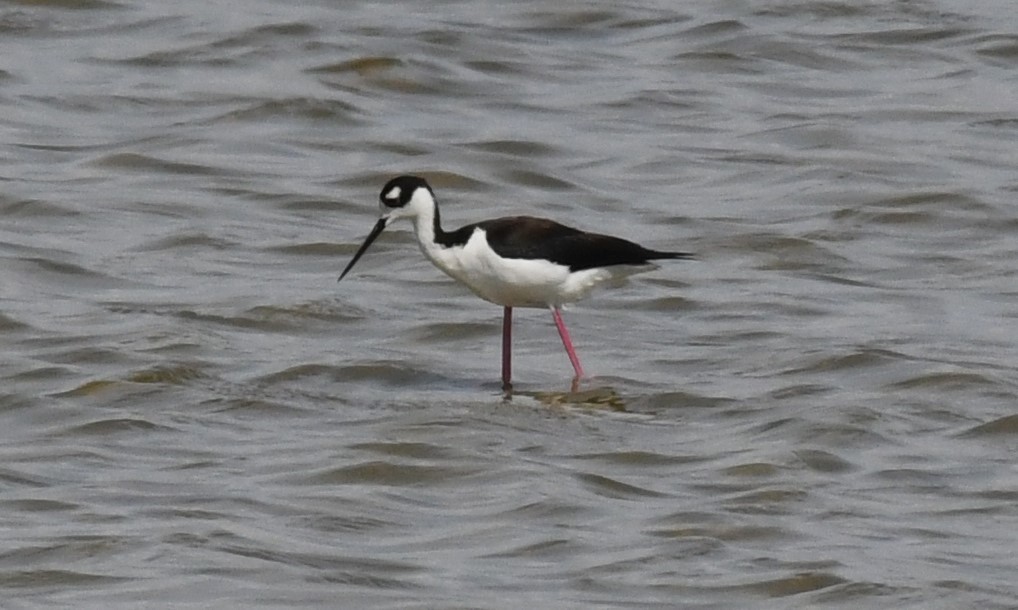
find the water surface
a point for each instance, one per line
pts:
(817, 412)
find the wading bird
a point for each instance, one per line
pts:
(518, 261)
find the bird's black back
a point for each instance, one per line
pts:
(539, 238)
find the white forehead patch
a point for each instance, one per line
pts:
(393, 193)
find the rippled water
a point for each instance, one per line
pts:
(818, 411)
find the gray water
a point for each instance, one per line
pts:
(819, 411)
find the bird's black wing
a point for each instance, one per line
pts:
(539, 238)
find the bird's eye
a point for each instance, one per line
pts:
(391, 198)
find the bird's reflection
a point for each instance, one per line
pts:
(605, 398)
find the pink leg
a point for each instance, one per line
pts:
(507, 346)
(567, 342)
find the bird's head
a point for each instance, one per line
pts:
(401, 197)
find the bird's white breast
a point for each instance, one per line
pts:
(513, 282)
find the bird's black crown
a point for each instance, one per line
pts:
(397, 192)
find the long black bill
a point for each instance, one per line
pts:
(379, 226)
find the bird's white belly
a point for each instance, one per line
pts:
(514, 282)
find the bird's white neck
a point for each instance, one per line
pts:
(422, 211)
(426, 228)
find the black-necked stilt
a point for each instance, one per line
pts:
(517, 261)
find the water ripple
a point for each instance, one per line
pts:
(817, 411)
